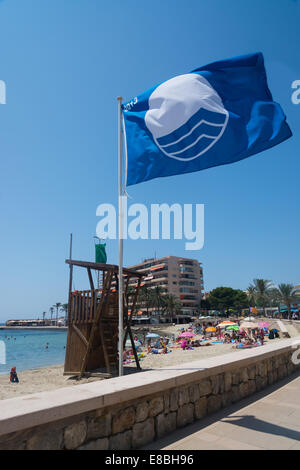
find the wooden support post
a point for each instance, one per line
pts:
(81, 336)
(106, 358)
(128, 326)
(90, 278)
(105, 292)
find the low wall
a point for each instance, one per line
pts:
(129, 412)
(294, 323)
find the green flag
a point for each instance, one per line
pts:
(101, 256)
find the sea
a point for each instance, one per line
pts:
(26, 348)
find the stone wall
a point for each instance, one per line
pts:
(131, 424)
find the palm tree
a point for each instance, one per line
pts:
(274, 298)
(262, 288)
(44, 314)
(64, 309)
(172, 305)
(288, 295)
(251, 291)
(156, 300)
(51, 310)
(57, 306)
(145, 298)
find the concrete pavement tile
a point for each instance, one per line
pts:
(197, 445)
(206, 436)
(288, 397)
(295, 446)
(279, 443)
(291, 418)
(249, 436)
(261, 411)
(293, 406)
(195, 437)
(234, 444)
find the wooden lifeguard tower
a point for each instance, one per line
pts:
(93, 320)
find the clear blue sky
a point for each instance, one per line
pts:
(64, 64)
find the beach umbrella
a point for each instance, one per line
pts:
(226, 323)
(249, 324)
(152, 335)
(233, 327)
(231, 324)
(187, 334)
(210, 329)
(264, 324)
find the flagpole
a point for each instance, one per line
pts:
(120, 184)
(70, 280)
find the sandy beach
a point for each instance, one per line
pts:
(51, 378)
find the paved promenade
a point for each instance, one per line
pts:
(268, 420)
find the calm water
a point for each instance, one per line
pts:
(25, 349)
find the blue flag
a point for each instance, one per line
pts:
(217, 114)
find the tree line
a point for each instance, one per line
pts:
(261, 293)
(57, 307)
(155, 298)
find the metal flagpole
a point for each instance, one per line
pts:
(120, 183)
(71, 279)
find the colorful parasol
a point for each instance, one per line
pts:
(186, 334)
(225, 324)
(264, 324)
(233, 327)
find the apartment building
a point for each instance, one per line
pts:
(182, 277)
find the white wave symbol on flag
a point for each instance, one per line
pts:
(186, 116)
(195, 137)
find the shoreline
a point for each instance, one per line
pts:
(4, 327)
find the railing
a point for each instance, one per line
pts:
(84, 305)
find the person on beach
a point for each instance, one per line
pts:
(271, 334)
(184, 344)
(154, 351)
(227, 338)
(13, 375)
(262, 336)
